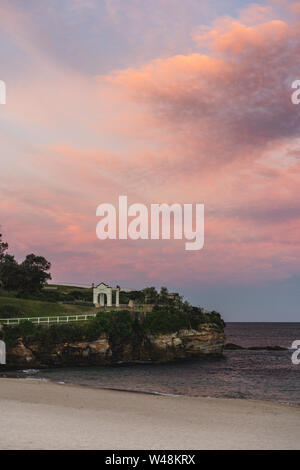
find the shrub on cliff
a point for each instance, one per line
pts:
(10, 334)
(198, 317)
(215, 319)
(168, 319)
(165, 320)
(119, 324)
(58, 333)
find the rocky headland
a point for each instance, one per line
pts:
(103, 351)
(114, 338)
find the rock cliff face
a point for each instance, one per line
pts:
(207, 340)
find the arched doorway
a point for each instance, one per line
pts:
(103, 295)
(102, 299)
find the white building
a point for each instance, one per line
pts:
(103, 295)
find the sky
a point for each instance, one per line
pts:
(166, 102)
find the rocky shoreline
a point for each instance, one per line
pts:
(234, 347)
(205, 341)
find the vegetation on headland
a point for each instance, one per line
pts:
(22, 294)
(117, 325)
(15, 307)
(167, 319)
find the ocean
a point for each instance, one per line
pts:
(248, 374)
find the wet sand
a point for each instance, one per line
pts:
(44, 415)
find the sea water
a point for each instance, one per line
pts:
(258, 375)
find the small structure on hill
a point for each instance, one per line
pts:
(103, 295)
(174, 297)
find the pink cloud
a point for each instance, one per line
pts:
(214, 126)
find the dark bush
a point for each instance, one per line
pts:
(83, 295)
(23, 330)
(165, 320)
(10, 311)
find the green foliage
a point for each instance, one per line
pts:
(33, 273)
(27, 277)
(31, 308)
(150, 295)
(64, 290)
(215, 318)
(3, 247)
(59, 333)
(10, 334)
(10, 273)
(81, 295)
(119, 324)
(10, 311)
(93, 329)
(44, 295)
(38, 308)
(165, 320)
(6, 293)
(26, 328)
(163, 296)
(77, 297)
(136, 295)
(169, 319)
(198, 317)
(122, 325)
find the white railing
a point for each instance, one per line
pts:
(43, 320)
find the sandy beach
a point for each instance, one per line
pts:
(44, 415)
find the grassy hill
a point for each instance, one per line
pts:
(13, 306)
(64, 289)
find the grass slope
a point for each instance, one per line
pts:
(38, 308)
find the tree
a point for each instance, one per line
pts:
(3, 247)
(28, 277)
(163, 296)
(150, 295)
(10, 274)
(34, 273)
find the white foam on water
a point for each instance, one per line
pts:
(165, 394)
(30, 371)
(36, 379)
